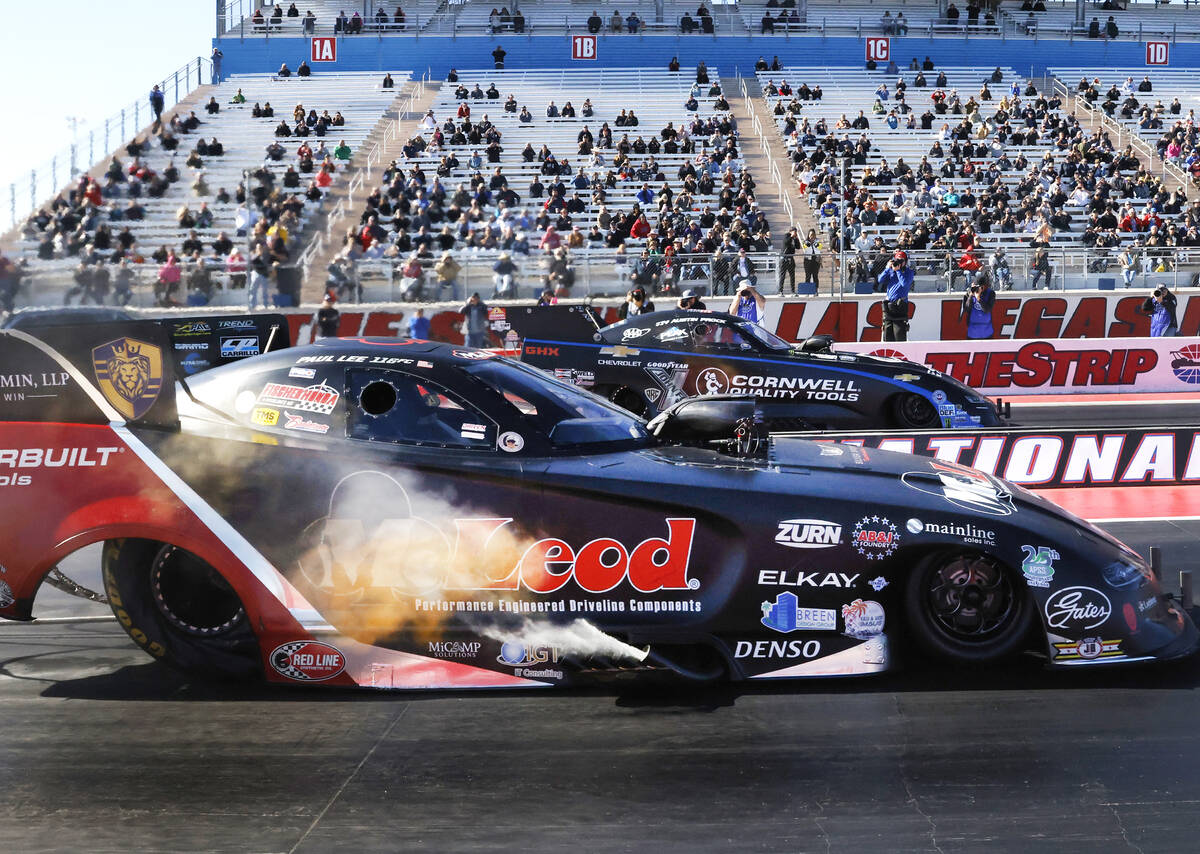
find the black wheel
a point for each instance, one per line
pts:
(179, 609)
(627, 398)
(965, 607)
(913, 411)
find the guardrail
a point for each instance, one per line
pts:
(781, 190)
(100, 140)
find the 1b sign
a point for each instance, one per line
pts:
(1158, 53)
(583, 47)
(879, 49)
(324, 49)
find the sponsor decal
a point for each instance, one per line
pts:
(530, 661)
(962, 487)
(497, 313)
(787, 388)
(634, 332)
(314, 398)
(292, 421)
(1122, 574)
(712, 381)
(1186, 364)
(15, 388)
(1038, 565)
(1146, 604)
(808, 534)
(477, 432)
(191, 327)
(454, 649)
(1074, 608)
(40, 458)
(511, 442)
(421, 363)
(239, 346)
(875, 537)
(473, 354)
(536, 350)
(191, 345)
(302, 373)
(194, 363)
(264, 417)
(912, 378)
(776, 649)
(653, 394)
(1087, 649)
(863, 619)
(620, 351)
(878, 583)
(965, 531)
(307, 661)
(795, 578)
(129, 373)
(785, 615)
(1130, 616)
(6, 594)
(243, 323)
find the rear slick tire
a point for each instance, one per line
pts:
(966, 608)
(179, 609)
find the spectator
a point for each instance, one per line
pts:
(633, 23)
(327, 319)
(594, 23)
(447, 270)
(1094, 29)
(388, 82)
(504, 277)
(747, 302)
(260, 277)
(1129, 265)
(636, 303)
(498, 56)
(977, 308)
(951, 16)
(616, 23)
(169, 275)
(342, 152)
(475, 321)
(1110, 28)
(896, 281)
(812, 258)
(302, 70)
(283, 71)
(157, 102)
(418, 326)
(1160, 307)
(412, 279)
(1041, 267)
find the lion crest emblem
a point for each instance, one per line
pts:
(129, 374)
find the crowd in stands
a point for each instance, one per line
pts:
(449, 197)
(353, 24)
(1007, 162)
(96, 221)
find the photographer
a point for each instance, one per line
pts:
(690, 299)
(748, 303)
(1160, 308)
(636, 302)
(897, 281)
(977, 308)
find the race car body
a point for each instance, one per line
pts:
(649, 362)
(405, 514)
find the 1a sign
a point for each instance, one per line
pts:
(879, 49)
(583, 47)
(324, 49)
(1158, 53)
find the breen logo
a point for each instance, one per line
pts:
(1038, 565)
(808, 534)
(875, 537)
(1074, 608)
(129, 374)
(307, 661)
(785, 615)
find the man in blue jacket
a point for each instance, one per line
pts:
(897, 279)
(977, 306)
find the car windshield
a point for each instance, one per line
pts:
(568, 416)
(769, 339)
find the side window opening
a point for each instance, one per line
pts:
(392, 406)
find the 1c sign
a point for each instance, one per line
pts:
(1158, 53)
(583, 47)
(879, 49)
(324, 49)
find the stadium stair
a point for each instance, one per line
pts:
(313, 287)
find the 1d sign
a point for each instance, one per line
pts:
(1158, 53)
(324, 49)
(583, 47)
(879, 49)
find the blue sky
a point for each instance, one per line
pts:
(87, 59)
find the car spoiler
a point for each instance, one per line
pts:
(96, 373)
(556, 322)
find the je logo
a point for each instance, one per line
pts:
(712, 381)
(129, 374)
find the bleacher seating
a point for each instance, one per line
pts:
(357, 96)
(1138, 21)
(1026, 175)
(418, 15)
(656, 97)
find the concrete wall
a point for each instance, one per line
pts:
(729, 53)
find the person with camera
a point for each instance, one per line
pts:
(977, 308)
(1160, 308)
(748, 303)
(896, 280)
(691, 299)
(636, 302)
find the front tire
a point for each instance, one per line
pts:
(179, 609)
(965, 607)
(913, 412)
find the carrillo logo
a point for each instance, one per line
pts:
(808, 534)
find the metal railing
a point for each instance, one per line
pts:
(781, 189)
(99, 140)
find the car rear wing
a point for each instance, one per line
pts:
(96, 373)
(556, 322)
